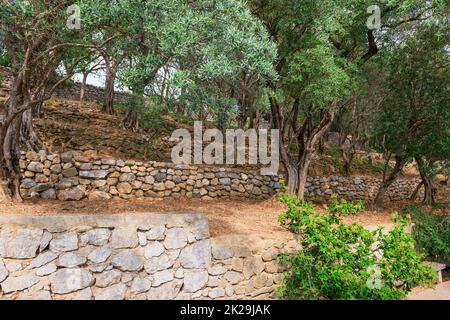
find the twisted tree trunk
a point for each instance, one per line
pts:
(10, 125)
(387, 182)
(28, 135)
(429, 189)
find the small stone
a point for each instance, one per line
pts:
(42, 259)
(73, 194)
(125, 169)
(233, 277)
(195, 280)
(35, 167)
(25, 245)
(96, 237)
(221, 252)
(217, 270)
(32, 156)
(100, 255)
(67, 157)
(70, 280)
(67, 183)
(27, 183)
(108, 162)
(127, 277)
(169, 185)
(176, 238)
(127, 261)
(166, 291)
(159, 187)
(154, 249)
(124, 238)
(70, 172)
(140, 285)
(270, 254)
(49, 194)
(179, 273)
(142, 238)
(158, 263)
(162, 277)
(216, 293)
(98, 195)
(56, 168)
(70, 260)
(108, 278)
(229, 291)
(94, 174)
(64, 242)
(46, 270)
(124, 187)
(86, 166)
(156, 233)
(13, 266)
(253, 266)
(197, 255)
(116, 292)
(19, 283)
(41, 187)
(127, 177)
(149, 180)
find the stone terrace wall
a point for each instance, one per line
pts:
(71, 176)
(141, 256)
(74, 177)
(321, 189)
(71, 91)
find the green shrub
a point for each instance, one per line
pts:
(431, 233)
(4, 60)
(345, 208)
(340, 261)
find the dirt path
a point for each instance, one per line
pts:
(225, 216)
(441, 292)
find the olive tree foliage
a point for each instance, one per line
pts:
(322, 48)
(207, 43)
(212, 40)
(36, 38)
(414, 119)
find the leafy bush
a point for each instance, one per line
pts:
(340, 261)
(431, 233)
(4, 60)
(345, 208)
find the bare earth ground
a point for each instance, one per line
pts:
(225, 216)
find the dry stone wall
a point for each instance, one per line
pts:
(135, 257)
(72, 177)
(71, 91)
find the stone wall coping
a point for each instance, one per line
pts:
(141, 221)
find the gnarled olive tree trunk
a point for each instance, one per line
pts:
(112, 66)
(429, 188)
(10, 129)
(28, 135)
(307, 136)
(387, 182)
